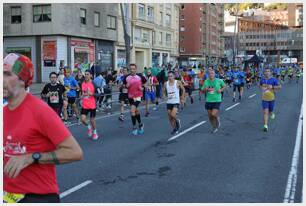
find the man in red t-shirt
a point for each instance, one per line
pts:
(34, 138)
(187, 81)
(89, 105)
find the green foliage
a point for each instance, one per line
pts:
(243, 6)
(276, 6)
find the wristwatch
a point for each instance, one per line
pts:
(36, 157)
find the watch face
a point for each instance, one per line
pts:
(36, 155)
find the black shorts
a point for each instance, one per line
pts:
(242, 84)
(35, 198)
(123, 97)
(290, 75)
(135, 103)
(188, 90)
(58, 109)
(212, 105)
(171, 106)
(71, 100)
(277, 76)
(235, 87)
(91, 111)
(228, 81)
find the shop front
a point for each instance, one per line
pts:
(82, 53)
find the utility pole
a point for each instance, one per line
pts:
(234, 49)
(127, 38)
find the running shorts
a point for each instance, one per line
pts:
(171, 106)
(91, 111)
(133, 102)
(268, 105)
(212, 105)
(71, 100)
(150, 95)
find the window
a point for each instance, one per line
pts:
(83, 16)
(41, 13)
(16, 15)
(137, 34)
(168, 39)
(182, 49)
(160, 37)
(182, 17)
(168, 20)
(145, 36)
(182, 28)
(151, 14)
(141, 11)
(182, 6)
(111, 22)
(97, 19)
(161, 18)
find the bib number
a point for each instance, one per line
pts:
(54, 99)
(12, 197)
(171, 96)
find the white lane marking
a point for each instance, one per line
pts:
(231, 107)
(292, 177)
(68, 192)
(187, 130)
(253, 95)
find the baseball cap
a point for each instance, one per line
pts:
(20, 65)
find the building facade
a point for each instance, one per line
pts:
(201, 33)
(55, 35)
(274, 45)
(295, 15)
(153, 29)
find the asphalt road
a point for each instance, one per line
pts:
(240, 163)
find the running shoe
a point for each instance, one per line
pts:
(141, 129)
(265, 128)
(135, 132)
(121, 118)
(272, 116)
(89, 132)
(174, 131)
(95, 136)
(214, 130)
(178, 124)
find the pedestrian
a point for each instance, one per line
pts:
(187, 81)
(89, 105)
(172, 91)
(213, 87)
(269, 86)
(236, 79)
(99, 83)
(135, 82)
(61, 75)
(34, 139)
(54, 92)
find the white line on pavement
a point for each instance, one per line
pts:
(68, 192)
(231, 107)
(187, 130)
(253, 95)
(292, 177)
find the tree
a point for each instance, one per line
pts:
(127, 38)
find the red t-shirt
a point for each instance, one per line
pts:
(135, 85)
(88, 101)
(187, 79)
(32, 127)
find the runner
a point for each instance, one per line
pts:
(283, 74)
(268, 85)
(213, 88)
(172, 90)
(54, 92)
(71, 86)
(134, 82)
(123, 96)
(222, 77)
(248, 79)
(89, 106)
(150, 90)
(187, 81)
(298, 74)
(33, 142)
(290, 74)
(242, 82)
(201, 76)
(236, 83)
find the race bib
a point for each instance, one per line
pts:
(137, 99)
(12, 197)
(125, 90)
(54, 98)
(171, 96)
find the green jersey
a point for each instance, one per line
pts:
(212, 94)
